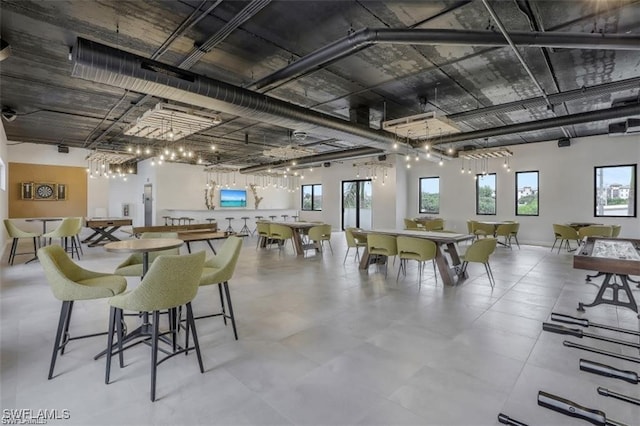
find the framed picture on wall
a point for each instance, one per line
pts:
(62, 191)
(26, 192)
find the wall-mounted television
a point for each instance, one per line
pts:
(233, 198)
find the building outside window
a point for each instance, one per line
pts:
(429, 195)
(486, 194)
(312, 197)
(615, 191)
(527, 194)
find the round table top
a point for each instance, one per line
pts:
(143, 245)
(43, 219)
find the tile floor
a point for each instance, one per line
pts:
(322, 343)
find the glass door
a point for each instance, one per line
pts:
(356, 204)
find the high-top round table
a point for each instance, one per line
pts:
(144, 246)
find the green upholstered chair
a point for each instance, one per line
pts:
(419, 249)
(411, 224)
(382, 245)
(132, 265)
(67, 231)
(171, 282)
(514, 233)
(483, 229)
(595, 231)
(615, 230)
(434, 225)
(354, 241)
(319, 234)
(505, 230)
(69, 283)
(16, 234)
(280, 233)
(262, 228)
(219, 270)
(479, 252)
(564, 233)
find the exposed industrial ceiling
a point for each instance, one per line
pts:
(322, 75)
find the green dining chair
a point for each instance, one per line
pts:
(483, 229)
(171, 282)
(615, 230)
(595, 231)
(67, 232)
(419, 249)
(564, 233)
(132, 265)
(262, 228)
(411, 224)
(514, 233)
(382, 245)
(280, 233)
(354, 241)
(219, 270)
(479, 252)
(69, 283)
(319, 234)
(16, 234)
(434, 225)
(505, 230)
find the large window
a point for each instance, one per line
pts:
(312, 197)
(486, 194)
(615, 191)
(430, 195)
(527, 194)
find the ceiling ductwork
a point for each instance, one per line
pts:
(364, 38)
(103, 64)
(547, 123)
(318, 158)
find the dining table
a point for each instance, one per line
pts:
(44, 221)
(144, 246)
(103, 229)
(446, 243)
(297, 229)
(494, 225)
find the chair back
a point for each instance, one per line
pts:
(410, 224)
(515, 228)
(434, 225)
(416, 248)
(315, 233)
(172, 280)
(280, 232)
(351, 240)
(15, 232)
(565, 232)
(326, 232)
(382, 244)
(480, 250)
(63, 276)
(483, 228)
(137, 257)
(471, 226)
(615, 230)
(68, 228)
(505, 229)
(595, 231)
(226, 260)
(262, 228)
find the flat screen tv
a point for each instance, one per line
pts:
(233, 198)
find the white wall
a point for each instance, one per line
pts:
(566, 186)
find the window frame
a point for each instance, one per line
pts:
(537, 172)
(634, 168)
(495, 198)
(313, 186)
(420, 210)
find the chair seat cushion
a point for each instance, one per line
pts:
(98, 287)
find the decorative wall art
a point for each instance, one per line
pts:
(43, 191)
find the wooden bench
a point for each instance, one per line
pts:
(200, 227)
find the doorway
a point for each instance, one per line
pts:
(148, 205)
(356, 203)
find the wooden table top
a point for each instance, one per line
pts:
(143, 245)
(101, 222)
(201, 236)
(296, 225)
(43, 219)
(435, 236)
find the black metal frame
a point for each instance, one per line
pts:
(312, 209)
(116, 326)
(615, 290)
(537, 172)
(14, 248)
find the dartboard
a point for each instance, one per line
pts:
(44, 191)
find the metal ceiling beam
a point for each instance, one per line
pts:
(318, 158)
(555, 98)
(530, 126)
(366, 37)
